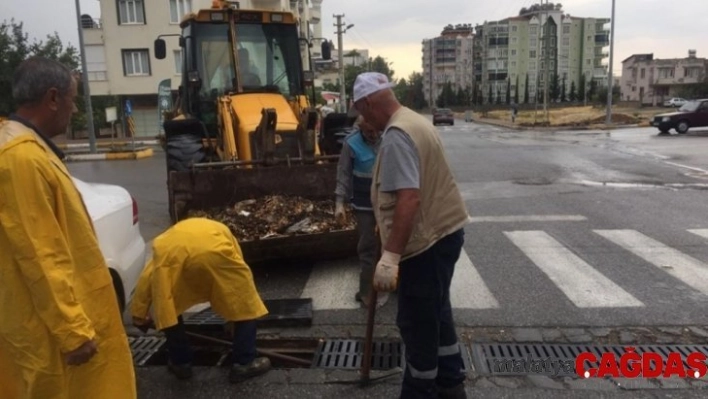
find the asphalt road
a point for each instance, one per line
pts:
(570, 229)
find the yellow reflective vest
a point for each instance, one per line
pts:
(196, 261)
(55, 289)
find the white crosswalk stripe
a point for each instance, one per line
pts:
(332, 285)
(580, 282)
(468, 290)
(681, 266)
(699, 232)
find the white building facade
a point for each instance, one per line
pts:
(448, 59)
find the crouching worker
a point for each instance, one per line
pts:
(195, 261)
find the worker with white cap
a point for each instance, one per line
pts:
(420, 215)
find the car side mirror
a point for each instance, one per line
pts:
(160, 49)
(308, 78)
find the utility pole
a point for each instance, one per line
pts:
(547, 63)
(340, 51)
(609, 72)
(85, 83)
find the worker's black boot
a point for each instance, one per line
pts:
(456, 392)
(181, 371)
(258, 366)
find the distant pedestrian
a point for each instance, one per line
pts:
(61, 324)
(421, 217)
(356, 163)
(514, 111)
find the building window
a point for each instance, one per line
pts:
(566, 29)
(131, 12)
(533, 30)
(136, 63)
(178, 8)
(514, 28)
(532, 53)
(513, 53)
(178, 62)
(513, 64)
(514, 40)
(643, 73)
(566, 41)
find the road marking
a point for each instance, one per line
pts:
(580, 282)
(467, 290)
(700, 232)
(681, 266)
(527, 218)
(332, 285)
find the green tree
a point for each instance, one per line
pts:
(490, 98)
(582, 91)
(415, 90)
(508, 91)
(402, 91)
(516, 92)
(380, 65)
(526, 90)
(554, 90)
(499, 95)
(15, 47)
(563, 97)
(573, 96)
(461, 97)
(592, 92)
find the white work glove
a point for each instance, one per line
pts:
(386, 274)
(339, 211)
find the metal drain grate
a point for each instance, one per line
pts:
(348, 354)
(524, 359)
(143, 348)
(281, 313)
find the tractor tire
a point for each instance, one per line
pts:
(182, 151)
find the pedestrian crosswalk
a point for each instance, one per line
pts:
(573, 272)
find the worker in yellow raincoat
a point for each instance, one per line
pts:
(9, 376)
(60, 324)
(195, 261)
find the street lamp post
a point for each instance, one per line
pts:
(85, 83)
(608, 119)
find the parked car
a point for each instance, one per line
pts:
(675, 102)
(443, 115)
(114, 213)
(692, 114)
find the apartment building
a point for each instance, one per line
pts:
(539, 43)
(448, 59)
(652, 81)
(119, 48)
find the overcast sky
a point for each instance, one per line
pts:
(394, 29)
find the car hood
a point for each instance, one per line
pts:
(102, 199)
(671, 114)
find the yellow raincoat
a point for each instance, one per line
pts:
(55, 289)
(195, 261)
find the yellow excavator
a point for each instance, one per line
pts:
(243, 126)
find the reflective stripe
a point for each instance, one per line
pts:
(423, 375)
(449, 350)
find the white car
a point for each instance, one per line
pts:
(675, 102)
(114, 213)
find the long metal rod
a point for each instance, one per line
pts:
(260, 162)
(262, 352)
(370, 320)
(608, 119)
(85, 82)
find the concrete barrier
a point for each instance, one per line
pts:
(111, 156)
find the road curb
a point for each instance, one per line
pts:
(71, 146)
(111, 156)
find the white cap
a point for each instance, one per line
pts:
(368, 83)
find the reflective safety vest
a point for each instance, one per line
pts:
(364, 158)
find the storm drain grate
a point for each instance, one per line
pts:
(143, 348)
(525, 359)
(281, 313)
(349, 353)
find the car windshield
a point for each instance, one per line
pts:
(444, 111)
(690, 106)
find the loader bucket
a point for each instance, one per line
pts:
(213, 188)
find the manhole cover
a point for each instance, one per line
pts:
(281, 313)
(556, 359)
(348, 354)
(143, 348)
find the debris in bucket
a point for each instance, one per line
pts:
(277, 216)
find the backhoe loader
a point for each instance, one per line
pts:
(243, 126)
